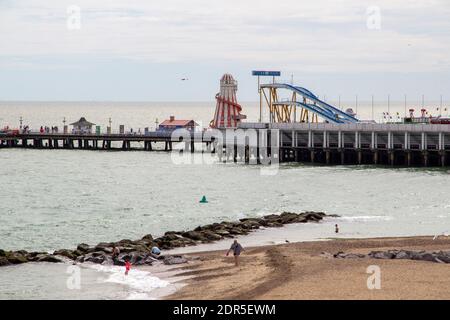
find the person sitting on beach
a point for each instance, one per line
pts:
(115, 253)
(155, 252)
(127, 266)
(236, 248)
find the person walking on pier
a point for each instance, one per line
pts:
(237, 249)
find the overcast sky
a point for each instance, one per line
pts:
(140, 50)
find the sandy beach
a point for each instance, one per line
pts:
(301, 271)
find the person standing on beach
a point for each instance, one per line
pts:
(336, 228)
(237, 249)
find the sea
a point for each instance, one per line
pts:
(53, 199)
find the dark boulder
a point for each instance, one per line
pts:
(300, 219)
(4, 261)
(126, 249)
(141, 248)
(108, 261)
(274, 224)
(263, 223)
(271, 217)
(164, 245)
(423, 256)
(223, 233)
(124, 242)
(313, 216)
(144, 243)
(95, 257)
(339, 255)
(403, 254)
(250, 224)
(33, 256)
(173, 244)
(65, 253)
(216, 226)
(105, 247)
(83, 247)
(145, 260)
(443, 256)
(97, 254)
(288, 217)
(194, 235)
(211, 235)
(171, 236)
(147, 238)
(48, 258)
(16, 258)
(77, 253)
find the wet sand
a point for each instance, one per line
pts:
(299, 271)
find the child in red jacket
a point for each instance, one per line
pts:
(127, 267)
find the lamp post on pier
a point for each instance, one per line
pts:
(109, 129)
(373, 116)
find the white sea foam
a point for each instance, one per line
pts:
(141, 283)
(366, 218)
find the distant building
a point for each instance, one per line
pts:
(172, 124)
(82, 126)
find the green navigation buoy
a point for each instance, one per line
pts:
(204, 200)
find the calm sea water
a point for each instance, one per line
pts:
(55, 199)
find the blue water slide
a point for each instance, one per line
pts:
(312, 97)
(321, 112)
(322, 108)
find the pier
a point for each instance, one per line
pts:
(92, 141)
(399, 145)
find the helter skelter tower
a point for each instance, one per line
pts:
(228, 111)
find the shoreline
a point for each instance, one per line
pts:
(307, 270)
